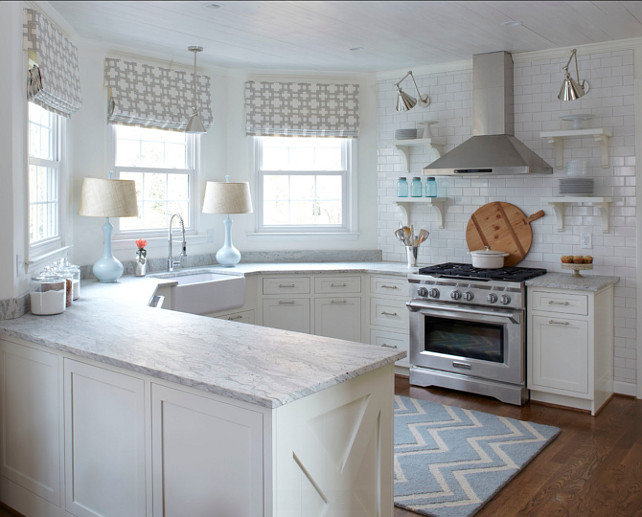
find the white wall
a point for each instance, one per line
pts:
(537, 82)
(225, 150)
(12, 144)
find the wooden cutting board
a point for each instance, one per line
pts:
(502, 227)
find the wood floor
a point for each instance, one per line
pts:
(592, 469)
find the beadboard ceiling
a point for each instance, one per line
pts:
(318, 35)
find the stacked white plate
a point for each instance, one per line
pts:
(406, 134)
(576, 186)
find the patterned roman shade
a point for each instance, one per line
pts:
(301, 109)
(53, 79)
(147, 95)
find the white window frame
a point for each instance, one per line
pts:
(193, 150)
(49, 248)
(348, 202)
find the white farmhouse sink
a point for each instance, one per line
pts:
(204, 293)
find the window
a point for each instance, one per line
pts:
(44, 175)
(303, 184)
(162, 163)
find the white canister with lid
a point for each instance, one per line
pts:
(48, 294)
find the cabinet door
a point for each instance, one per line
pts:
(287, 314)
(389, 339)
(207, 457)
(31, 437)
(559, 354)
(339, 318)
(104, 442)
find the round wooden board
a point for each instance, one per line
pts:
(502, 227)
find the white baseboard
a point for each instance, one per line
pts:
(625, 388)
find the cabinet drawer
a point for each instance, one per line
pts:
(239, 317)
(391, 339)
(286, 285)
(337, 284)
(560, 302)
(388, 313)
(389, 286)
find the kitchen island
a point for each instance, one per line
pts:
(117, 408)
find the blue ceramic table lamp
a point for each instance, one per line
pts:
(227, 198)
(108, 198)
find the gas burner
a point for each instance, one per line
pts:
(460, 270)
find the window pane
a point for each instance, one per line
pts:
(301, 154)
(329, 212)
(275, 187)
(178, 186)
(329, 187)
(302, 187)
(275, 213)
(303, 212)
(152, 148)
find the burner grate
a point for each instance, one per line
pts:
(461, 270)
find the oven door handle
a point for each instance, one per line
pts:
(414, 307)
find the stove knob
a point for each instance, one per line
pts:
(468, 296)
(455, 295)
(434, 293)
(504, 299)
(422, 291)
(492, 297)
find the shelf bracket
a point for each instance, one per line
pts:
(558, 145)
(405, 153)
(437, 203)
(604, 213)
(558, 208)
(603, 204)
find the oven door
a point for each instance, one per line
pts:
(479, 341)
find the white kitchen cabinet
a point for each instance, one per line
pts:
(105, 453)
(287, 314)
(31, 421)
(389, 315)
(570, 347)
(339, 318)
(207, 456)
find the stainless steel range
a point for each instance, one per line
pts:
(468, 329)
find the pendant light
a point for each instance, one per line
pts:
(195, 125)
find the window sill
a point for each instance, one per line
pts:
(341, 236)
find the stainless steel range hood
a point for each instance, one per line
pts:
(493, 150)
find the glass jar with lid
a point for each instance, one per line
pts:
(68, 269)
(402, 187)
(431, 187)
(48, 293)
(415, 187)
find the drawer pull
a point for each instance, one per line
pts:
(465, 366)
(287, 285)
(384, 286)
(554, 322)
(286, 302)
(553, 302)
(384, 313)
(237, 317)
(386, 345)
(339, 285)
(338, 301)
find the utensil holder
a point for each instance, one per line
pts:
(411, 255)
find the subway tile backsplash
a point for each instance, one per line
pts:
(536, 85)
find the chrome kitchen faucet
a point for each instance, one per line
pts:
(171, 263)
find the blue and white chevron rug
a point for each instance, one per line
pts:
(449, 461)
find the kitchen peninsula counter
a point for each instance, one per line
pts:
(118, 408)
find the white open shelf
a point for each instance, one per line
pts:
(559, 205)
(600, 135)
(405, 205)
(434, 144)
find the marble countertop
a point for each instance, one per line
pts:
(112, 324)
(567, 281)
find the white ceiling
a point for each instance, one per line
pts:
(317, 35)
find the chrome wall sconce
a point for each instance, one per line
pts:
(406, 102)
(195, 124)
(573, 88)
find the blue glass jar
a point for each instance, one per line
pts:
(431, 187)
(415, 187)
(402, 187)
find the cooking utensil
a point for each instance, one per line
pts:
(407, 236)
(423, 235)
(501, 226)
(488, 259)
(400, 235)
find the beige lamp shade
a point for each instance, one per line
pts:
(227, 198)
(108, 198)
